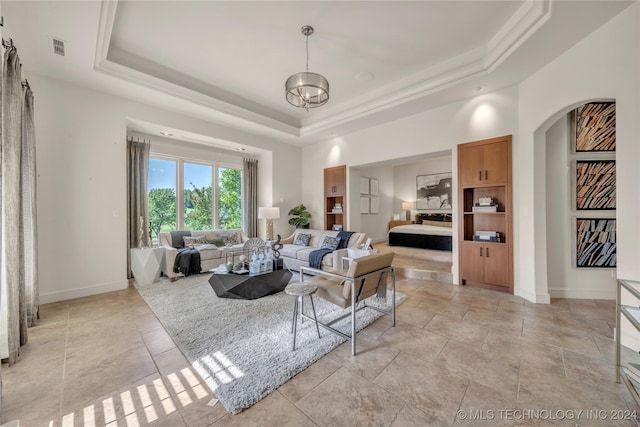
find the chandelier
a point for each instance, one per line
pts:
(307, 90)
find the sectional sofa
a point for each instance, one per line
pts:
(296, 255)
(211, 254)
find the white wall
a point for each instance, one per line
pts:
(377, 225)
(570, 80)
(81, 158)
(484, 116)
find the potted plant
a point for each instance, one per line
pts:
(300, 217)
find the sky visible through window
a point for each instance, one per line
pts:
(162, 174)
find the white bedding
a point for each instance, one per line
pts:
(422, 229)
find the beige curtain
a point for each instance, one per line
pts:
(29, 217)
(137, 179)
(17, 232)
(250, 196)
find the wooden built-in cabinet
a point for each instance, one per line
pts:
(484, 163)
(484, 171)
(335, 194)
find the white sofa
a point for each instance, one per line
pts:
(295, 256)
(211, 256)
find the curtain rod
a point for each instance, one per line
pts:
(144, 141)
(8, 44)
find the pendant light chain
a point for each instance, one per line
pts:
(307, 90)
(307, 40)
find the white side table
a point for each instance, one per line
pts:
(146, 264)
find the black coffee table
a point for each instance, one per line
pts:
(243, 286)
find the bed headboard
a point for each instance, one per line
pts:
(442, 220)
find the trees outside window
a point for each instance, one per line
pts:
(193, 208)
(162, 196)
(229, 198)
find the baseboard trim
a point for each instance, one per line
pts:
(532, 297)
(607, 294)
(83, 292)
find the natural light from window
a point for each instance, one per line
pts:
(185, 195)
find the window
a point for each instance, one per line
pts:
(162, 195)
(198, 199)
(229, 198)
(182, 197)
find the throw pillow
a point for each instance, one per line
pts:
(302, 239)
(190, 242)
(229, 238)
(217, 241)
(330, 243)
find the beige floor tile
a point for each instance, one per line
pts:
(592, 372)
(540, 388)
(147, 323)
(372, 356)
(37, 414)
(26, 389)
(498, 321)
(119, 366)
(348, 399)
(443, 306)
(482, 406)
(298, 386)
(158, 341)
(273, 410)
(91, 381)
(459, 330)
(432, 389)
(544, 356)
(410, 416)
(538, 314)
(413, 340)
(571, 339)
(499, 373)
(414, 315)
(587, 324)
(477, 301)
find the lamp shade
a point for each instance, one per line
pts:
(407, 205)
(269, 213)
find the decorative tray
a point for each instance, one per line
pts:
(243, 271)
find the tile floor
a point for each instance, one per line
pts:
(458, 356)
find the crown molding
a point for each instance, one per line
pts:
(525, 22)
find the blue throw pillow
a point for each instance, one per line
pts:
(330, 243)
(302, 239)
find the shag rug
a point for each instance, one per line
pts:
(242, 349)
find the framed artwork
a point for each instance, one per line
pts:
(434, 192)
(595, 125)
(375, 205)
(364, 205)
(596, 243)
(595, 184)
(373, 187)
(364, 185)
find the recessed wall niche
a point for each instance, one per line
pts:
(595, 184)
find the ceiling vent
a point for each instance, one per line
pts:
(57, 46)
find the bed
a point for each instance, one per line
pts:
(433, 232)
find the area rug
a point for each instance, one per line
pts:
(242, 349)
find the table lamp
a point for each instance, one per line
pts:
(407, 206)
(269, 214)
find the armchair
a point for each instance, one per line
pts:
(366, 276)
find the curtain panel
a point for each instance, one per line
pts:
(250, 196)
(137, 204)
(18, 231)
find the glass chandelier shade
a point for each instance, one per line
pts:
(305, 89)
